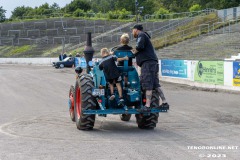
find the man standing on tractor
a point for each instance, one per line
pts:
(147, 59)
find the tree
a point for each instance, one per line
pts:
(78, 4)
(161, 12)
(2, 14)
(21, 11)
(113, 7)
(54, 6)
(44, 9)
(174, 7)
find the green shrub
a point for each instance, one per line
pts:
(110, 15)
(195, 7)
(78, 13)
(123, 14)
(67, 15)
(118, 14)
(89, 14)
(160, 13)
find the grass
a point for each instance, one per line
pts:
(57, 17)
(21, 49)
(16, 50)
(188, 31)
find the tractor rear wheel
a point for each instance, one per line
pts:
(125, 117)
(71, 103)
(84, 100)
(149, 121)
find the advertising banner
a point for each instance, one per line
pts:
(174, 68)
(193, 68)
(236, 73)
(211, 72)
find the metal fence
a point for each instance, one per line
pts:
(218, 25)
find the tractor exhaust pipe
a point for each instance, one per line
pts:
(88, 51)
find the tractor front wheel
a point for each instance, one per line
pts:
(125, 117)
(71, 103)
(84, 100)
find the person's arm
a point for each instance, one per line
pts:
(140, 44)
(114, 57)
(122, 59)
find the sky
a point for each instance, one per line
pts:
(10, 5)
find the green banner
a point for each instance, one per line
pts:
(211, 72)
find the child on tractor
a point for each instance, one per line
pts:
(111, 73)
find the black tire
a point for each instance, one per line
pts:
(71, 103)
(150, 121)
(84, 101)
(61, 66)
(125, 117)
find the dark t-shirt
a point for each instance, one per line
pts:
(109, 67)
(125, 48)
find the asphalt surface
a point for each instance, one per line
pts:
(35, 123)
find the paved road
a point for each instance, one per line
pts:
(35, 124)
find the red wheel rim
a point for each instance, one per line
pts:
(78, 103)
(72, 103)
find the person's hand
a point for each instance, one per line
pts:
(126, 58)
(134, 51)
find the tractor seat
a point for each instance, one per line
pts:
(125, 68)
(129, 68)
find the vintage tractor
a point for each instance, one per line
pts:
(90, 96)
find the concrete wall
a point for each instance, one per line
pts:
(230, 13)
(34, 61)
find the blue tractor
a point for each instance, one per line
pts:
(90, 97)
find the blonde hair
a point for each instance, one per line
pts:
(104, 51)
(124, 38)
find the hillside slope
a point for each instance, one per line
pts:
(215, 46)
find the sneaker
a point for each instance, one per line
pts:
(112, 97)
(164, 105)
(121, 102)
(144, 109)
